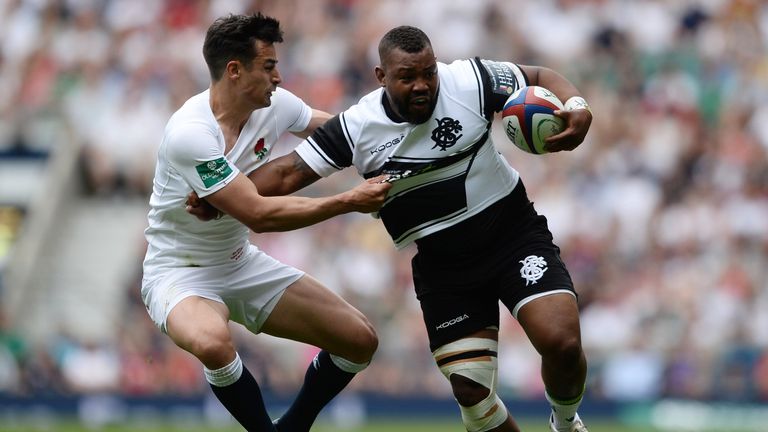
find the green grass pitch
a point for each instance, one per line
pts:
(419, 425)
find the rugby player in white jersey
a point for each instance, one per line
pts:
(198, 276)
(479, 239)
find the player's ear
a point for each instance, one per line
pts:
(233, 69)
(379, 71)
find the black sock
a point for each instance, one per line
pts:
(243, 400)
(322, 382)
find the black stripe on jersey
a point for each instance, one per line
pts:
(346, 131)
(323, 140)
(400, 165)
(316, 148)
(431, 202)
(496, 87)
(490, 101)
(467, 355)
(480, 89)
(424, 206)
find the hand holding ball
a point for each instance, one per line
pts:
(528, 118)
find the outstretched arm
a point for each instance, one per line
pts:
(281, 176)
(577, 116)
(242, 200)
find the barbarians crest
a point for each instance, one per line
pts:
(532, 269)
(446, 133)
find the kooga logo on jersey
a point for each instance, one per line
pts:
(451, 322)
(385, 146)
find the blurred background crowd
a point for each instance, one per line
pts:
(661, 215)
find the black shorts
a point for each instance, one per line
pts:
(505, 254)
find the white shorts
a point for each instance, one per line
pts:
(250, 288)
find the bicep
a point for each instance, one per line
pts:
(237, 198)
(283, 176)
(318, 119)
(551, 80)
(531, 74)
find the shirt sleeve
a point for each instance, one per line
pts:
(293, 114)
(194, 151)
(500, 80)
(329, 148)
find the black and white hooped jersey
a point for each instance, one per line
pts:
(448, 167)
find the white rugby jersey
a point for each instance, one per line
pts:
(191, 157)
(450, 169)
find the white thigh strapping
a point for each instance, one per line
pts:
(480, 368)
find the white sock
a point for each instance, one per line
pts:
(226, 375)
(348, 366)
(564, 412)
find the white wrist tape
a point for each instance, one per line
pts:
(576, 102)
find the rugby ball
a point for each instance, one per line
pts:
(528, 118)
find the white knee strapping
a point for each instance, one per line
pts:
(484, 416)
(475, 358)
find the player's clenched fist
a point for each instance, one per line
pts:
(368, 196)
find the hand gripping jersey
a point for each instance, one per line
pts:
(447, 167)
(191, 157)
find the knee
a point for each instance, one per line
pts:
(364, 344)
(214, 350)
(481, 408)
(470, 365)
(467, 392)
(562, 347)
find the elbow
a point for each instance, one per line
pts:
(262, 223)
(260, 226)
(259, 229)
(256, 222)
(267, 228)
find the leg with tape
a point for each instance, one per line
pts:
(471, 366)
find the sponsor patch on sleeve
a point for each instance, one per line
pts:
(213, 171)
(502, 77)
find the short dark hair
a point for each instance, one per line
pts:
(407, 38)
(232, 38)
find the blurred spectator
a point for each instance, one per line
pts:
(13, 351)
(633, 374)
(42, 374)
(91, 368)
(10, 378)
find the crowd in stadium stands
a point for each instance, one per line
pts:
(661, 215)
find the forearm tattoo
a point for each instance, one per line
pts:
(304, 174)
